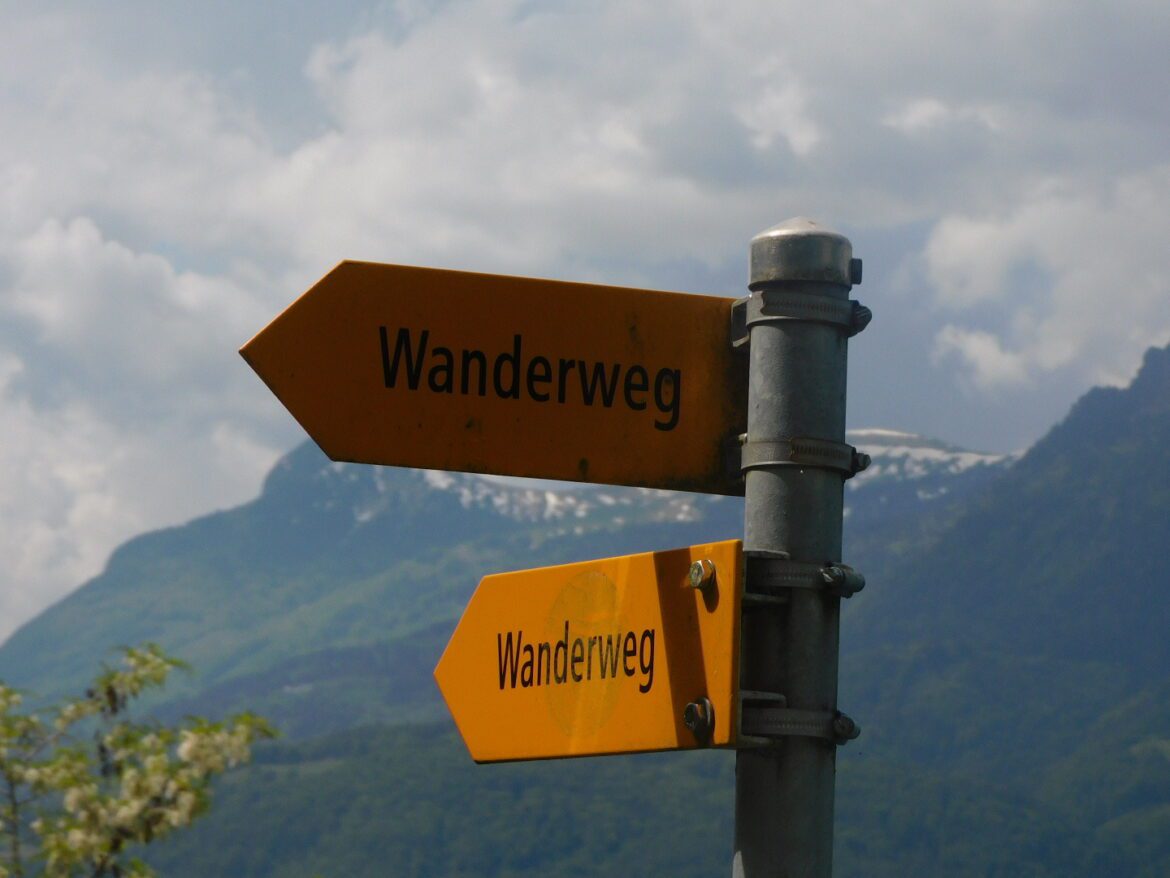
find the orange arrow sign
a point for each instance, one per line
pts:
(515, 376)
(597, 657)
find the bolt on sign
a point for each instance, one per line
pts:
(421, 367)
(619, 655)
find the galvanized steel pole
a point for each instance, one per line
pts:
(796, 322)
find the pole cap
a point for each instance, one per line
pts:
(801, 249)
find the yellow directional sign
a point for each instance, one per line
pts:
(598, 657)
(516, 376)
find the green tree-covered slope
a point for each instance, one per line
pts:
(405, 801)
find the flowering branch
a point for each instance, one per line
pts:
(129, 784)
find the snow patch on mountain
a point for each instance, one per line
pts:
(518, 501)
(903, 465)
(899, 456)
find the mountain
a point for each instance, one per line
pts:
(1064, 563)
(327, 600)
(1025, 642)
(907, 471)
(1007, 662)
(911, 489)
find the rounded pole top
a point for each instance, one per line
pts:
(801, 249)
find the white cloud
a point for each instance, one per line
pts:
(121, 330)
(778, 111)
(922, 115)
(991, 367)
(1076, 275)
(122, 401)
(159, 202)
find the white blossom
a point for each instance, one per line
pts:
(73, 799)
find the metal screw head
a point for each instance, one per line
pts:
(699, 717)
(842, 580)
(702, 574)
(844, 728)
(859, 319)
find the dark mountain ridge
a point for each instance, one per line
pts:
(1060, 557)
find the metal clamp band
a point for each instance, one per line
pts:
(770, 305)
(802, 451)
(777, 573)
(791, 305)
(780, 722)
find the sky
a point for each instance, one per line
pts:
(173, 174)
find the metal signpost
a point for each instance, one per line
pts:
(796, 323)
(727, 645)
